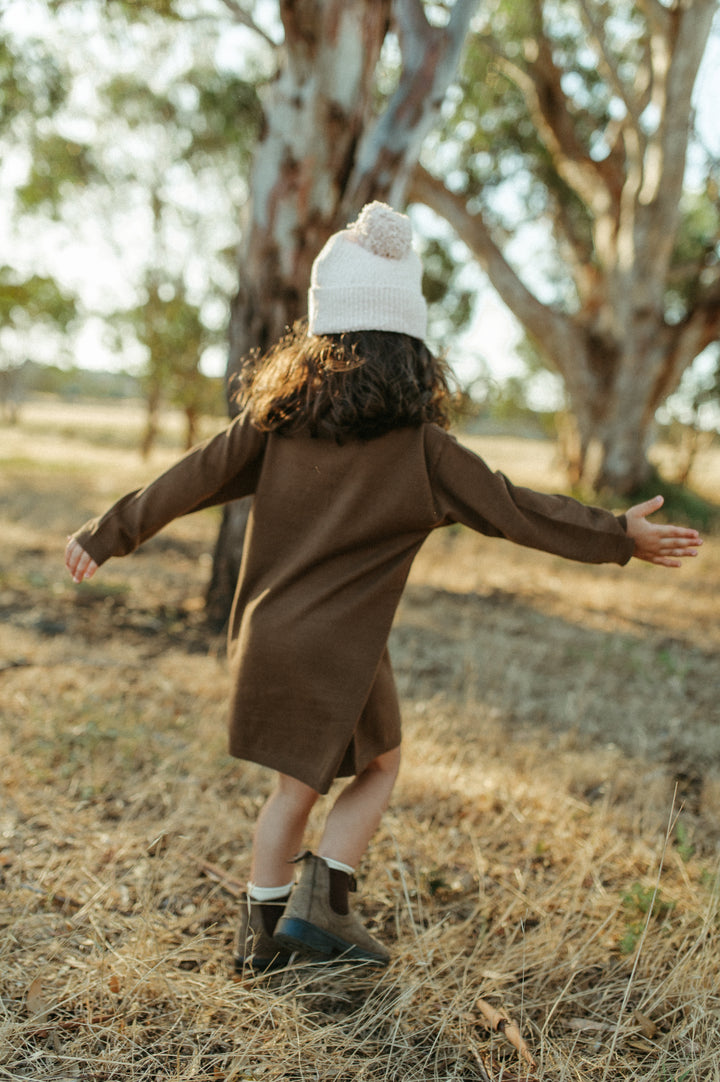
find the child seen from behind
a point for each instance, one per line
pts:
(341, 438)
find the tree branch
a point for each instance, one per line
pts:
(634, 99)
(685, 42)
(657, 15)
(245, 19)
(546, 324)
(390, 148)
(596, 183)
(676, 58)
(688, 339)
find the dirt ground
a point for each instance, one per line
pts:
(553, 843)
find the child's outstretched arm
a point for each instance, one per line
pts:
(79, 563)
(659, 543)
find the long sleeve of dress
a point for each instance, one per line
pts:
(466, 490)
(224, 467)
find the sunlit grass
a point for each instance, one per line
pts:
(552, 844)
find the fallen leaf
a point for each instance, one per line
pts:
(36, 1001)
(647, 1026)
(588, 1024)
(500, 1022)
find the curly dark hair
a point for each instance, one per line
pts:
(360, 385)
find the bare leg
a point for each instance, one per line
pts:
(318, 918)
(356, 814)
(279, 831)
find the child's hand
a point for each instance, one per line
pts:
(78, 562)
(659, 544)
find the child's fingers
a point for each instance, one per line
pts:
(681, 541)
(73, 552)
(677, 553)
(668, 551)
(642, 510)
(675, 532)
(660, 543)
(672, 558)
(85, 569)
(647, 508)
(78, 562)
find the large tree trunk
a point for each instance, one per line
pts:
(619, 349)
(324, 153)
(226, 563)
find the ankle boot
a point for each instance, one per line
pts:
(310, 923)
(255, 946)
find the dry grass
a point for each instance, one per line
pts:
(561, 774)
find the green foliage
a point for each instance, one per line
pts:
(697, 248)
(162, 132)
(142, 9)
(450, 302)
(495, 152)
(642, 905)
(228, 114)
(683, 841)
(38, 298)
(646, 901)
(700, 226)
(58, 165)
(173, 331)
(32, 82)
(73, 382)
(214, 115)
(34, 86)
(681, 505)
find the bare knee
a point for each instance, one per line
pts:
(295, 796)
(388, 763)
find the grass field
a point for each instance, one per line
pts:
(552, 847)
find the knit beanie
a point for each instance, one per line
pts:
(368, 278)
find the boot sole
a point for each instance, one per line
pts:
(300, 935)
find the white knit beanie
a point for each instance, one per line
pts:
(368, 278)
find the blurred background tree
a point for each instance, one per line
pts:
(566, 171)
(129, 141)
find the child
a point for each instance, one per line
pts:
(341, 438)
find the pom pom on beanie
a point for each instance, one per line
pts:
(368, 277)
(382, 231)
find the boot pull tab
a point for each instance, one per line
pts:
(300, 857)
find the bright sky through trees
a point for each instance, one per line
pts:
(100, 265)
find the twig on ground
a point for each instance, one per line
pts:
(61, 901)
(231, 885)
(14, 663)
(480, 1061)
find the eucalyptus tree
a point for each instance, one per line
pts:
(170, 326)
(358, 86)
(28, 304)
(576, 114)
(195, 130)
(571, 129)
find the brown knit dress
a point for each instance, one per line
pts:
(332, 535)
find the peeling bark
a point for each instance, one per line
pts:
(324, 152)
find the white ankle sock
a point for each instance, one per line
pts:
(338, 865)
(269, 894)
